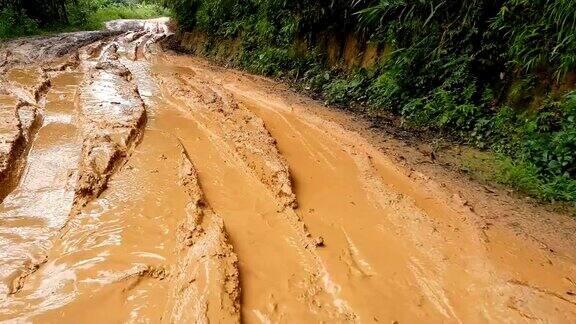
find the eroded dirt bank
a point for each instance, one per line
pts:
(139, 185)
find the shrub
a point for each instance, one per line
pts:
(15, 22)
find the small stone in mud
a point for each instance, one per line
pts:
(319, 241)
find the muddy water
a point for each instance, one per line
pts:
(102, 259)
(25, 77)
(158, 188)
(250, 215)
(359, 249)
(42, 201)
(274, 266)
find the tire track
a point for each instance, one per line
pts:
(257, 217)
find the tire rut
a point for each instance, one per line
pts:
(259, 214)
(57, 146)
(241, 130)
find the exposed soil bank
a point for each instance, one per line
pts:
(157, 187)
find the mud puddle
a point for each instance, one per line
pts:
(101, 257)
(158, 188)
(42, 201)
(389, 249)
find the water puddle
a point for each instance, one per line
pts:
(41, 203)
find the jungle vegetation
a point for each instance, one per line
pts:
(31, 17)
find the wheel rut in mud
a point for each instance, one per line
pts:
(138, 185)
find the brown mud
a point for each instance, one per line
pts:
(139, 185)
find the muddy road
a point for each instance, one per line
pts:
(140, 185)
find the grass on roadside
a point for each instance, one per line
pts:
(523, 176)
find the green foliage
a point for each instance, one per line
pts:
(42, 12)
(14, 23)
(269, 60)
(343, 91)
(542, 34)
(76, 15)
(522, 175)
(92, 14)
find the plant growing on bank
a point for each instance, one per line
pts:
(15, 22)
(91, 15)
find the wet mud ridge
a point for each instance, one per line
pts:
(141, 185)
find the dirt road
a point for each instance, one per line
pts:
(140, 185)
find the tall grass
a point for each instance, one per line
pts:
(14, 22)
